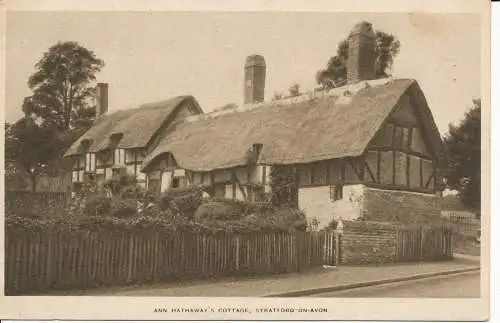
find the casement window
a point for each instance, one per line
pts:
(401, 138)
(305, 175)
(90, 162)
(229, 191)
(319, 174)
(78, 168)
(336, 192)
(120, 156)
(176, 182)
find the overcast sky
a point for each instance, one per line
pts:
(152, 56)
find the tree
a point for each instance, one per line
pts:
(62, 87)
(277, 96)
(294, 90)
(463, 151)
(284, 186)
(335, 73)
(30, 147)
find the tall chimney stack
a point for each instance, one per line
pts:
(255, 79)
(361, 62)
(101, 98)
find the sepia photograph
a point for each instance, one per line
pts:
(307, 157)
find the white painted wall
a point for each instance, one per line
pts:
(316, 203)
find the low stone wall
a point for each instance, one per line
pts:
(400, 206)
(368, 243)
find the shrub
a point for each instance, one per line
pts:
(218, 210)
(97, 205)
(332, 225)
(123, 208)
(133, 192)
(182, 200)
(118, 183)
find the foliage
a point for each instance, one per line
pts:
(335, 73)
(284, 186)
(332, 225)
(97, 205)
(181, 209)
(62, 86)
(184, 201)
(122, 183)
(30, 147)
(463, 152)
(277, 96)
(294, 90)
(123, 208)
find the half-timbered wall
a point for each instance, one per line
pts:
(397, 158)
(167, 174)
(240, 183)
(101, 166)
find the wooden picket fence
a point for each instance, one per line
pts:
(35, 262)
(424, 244)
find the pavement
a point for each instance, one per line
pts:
(321, 280)
(463, 285)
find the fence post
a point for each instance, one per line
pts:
(422, 234)
(130, 257)
(337, 248)
(237, 253)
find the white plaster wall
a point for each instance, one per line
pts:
(316, 203)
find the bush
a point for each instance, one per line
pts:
(123, 208)
(218, 210)
(332, 225)
(182, 200)
(133, 192)
(97, 205)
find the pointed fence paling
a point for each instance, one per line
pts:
(40, 261)
(424, 244)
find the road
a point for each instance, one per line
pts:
(455, 286)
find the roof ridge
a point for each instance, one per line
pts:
(345, 93)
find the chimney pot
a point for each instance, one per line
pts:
(255, 79)
(101, 98)
(361, 62)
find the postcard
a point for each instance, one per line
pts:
(272, 160)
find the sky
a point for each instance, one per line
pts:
(152, 56)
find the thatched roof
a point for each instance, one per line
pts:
(305, 131)
(135, 126)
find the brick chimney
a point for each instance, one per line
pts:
(101, 96)
(361, 62)
(255, 79)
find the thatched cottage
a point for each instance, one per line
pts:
(120, 141)
(370, 148)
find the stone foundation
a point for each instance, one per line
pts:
(360, 202)
(368, 243)
(399, 206)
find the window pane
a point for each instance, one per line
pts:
(229, 191)
(319, 174)
(305, 175)
(406, 134)
(122, 156)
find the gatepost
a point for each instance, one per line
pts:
(339, 231)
